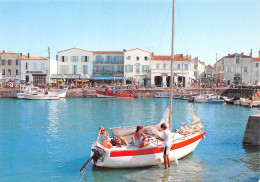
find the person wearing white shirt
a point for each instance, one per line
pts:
(167, 144)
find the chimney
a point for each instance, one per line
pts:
(28, 55)
(189, 56)
(251, 53)
(181, 55)
(228, 54)
(124, 50)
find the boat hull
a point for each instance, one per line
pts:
(146, 156)
(216, 101)
(41, 97)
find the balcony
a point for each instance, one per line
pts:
(108, 62)
(108, 72)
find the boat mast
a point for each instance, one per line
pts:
(172, 63)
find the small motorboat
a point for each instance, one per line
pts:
(41, 95)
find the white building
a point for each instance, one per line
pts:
(137, 66)
(235, 68)
(37, 69)
(161, 71)
(255, 67)
(74, 62)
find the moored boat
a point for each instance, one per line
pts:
(41, 96)
(62, 92)
(111, 93)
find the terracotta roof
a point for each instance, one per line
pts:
(233, 55)
(108, 52)
(209, 67)
(74, 48)
(168, 58)
(6, 52)
(256, 59)
(25, 57)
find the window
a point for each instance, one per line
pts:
(74, 59)
(3, 62)
(16, 71)
(186, 66)
(145, 68)
(237, 58)
(63, 69)
(99, 58)
(84, 59)
(3, 71)
(85, 71)
(137, 58)
(256, 64)
(62, 59)
(26, 66)
(74, 69)
(137, 69)
(179, 66)
(128, 58)
(145, 58)
(257, 73)
(128, 68)
(9, 72)
(164, 65)
(9, 62)
(245, 69)
(17, 62)
(158, 66)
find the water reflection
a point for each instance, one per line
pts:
(252, 158)
(190, 168)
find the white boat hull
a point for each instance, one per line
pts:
(41, 97)
(148, 156)
(104, 96)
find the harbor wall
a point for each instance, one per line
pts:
(143, 92)
(252, 132)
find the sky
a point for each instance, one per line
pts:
(203, 28)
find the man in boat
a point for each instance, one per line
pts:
(139, 136)
(166, 138)
(104, 138)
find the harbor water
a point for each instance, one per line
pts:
(51, 140)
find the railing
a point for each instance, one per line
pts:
(108, 62)
(106, 72)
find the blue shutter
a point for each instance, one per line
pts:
(67, 69)
(125, 68)
(75, 69)
(60, 69)
(85, 69)
(143, 68)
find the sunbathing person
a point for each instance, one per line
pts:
(104, 138)
(139, 136)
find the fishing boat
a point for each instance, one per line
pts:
(41, 95)
(26, 89)
(111, 92)
(161, 95)
(184, 141)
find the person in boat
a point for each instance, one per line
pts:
(104, 138)
(139, 136)
(166, 138)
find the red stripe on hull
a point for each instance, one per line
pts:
(114, 95)
(154, 150)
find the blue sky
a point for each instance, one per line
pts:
(202, 27)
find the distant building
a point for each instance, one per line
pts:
(183, 72)
(236, 68)
(9, 66)
(209, 74)
(255, 76)
(137, 66)
(72, 63)
(37, 69)
(108, 66)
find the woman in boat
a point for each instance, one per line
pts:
(104, 138)
(139, 136)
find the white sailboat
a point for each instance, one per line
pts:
(184, 140)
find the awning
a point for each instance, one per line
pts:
(146, 78)
(107, 78)
(85, 76)
(56, 76)
(71, 76)
(129, 79)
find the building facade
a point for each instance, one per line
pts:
(137, 67)
(183, 73)
(9, 66)
(72, 63)
(255, 67)
(236, 69)
(36, 69)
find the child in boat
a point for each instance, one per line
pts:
(166, 138)
(139, 136)
(104, 138)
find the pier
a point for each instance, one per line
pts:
(252, 132)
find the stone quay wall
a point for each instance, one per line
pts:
(252, 132)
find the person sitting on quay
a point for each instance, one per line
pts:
(104, 138)
(139, 136)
